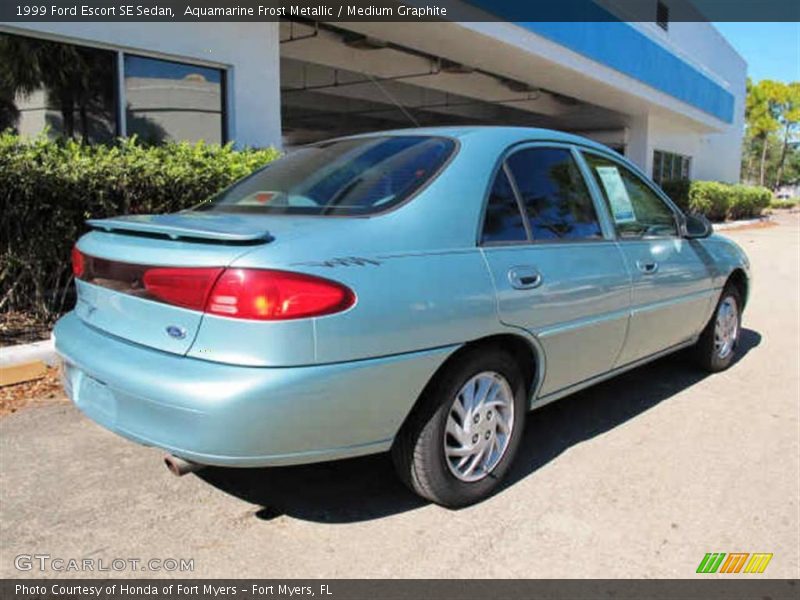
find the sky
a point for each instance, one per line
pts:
(772, 50)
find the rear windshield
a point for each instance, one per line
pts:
(354, 176)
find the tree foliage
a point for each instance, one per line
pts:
(771, 154)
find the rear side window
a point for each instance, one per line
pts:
(355, 176)
(503, 220)
(554, 195)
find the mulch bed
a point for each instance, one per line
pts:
(21, 328)
(46, 389)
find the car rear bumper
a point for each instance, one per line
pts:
(228, 415)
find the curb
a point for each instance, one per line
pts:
(44, 351)
(737, 224)
(26, 362)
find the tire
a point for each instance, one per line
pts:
(419, 449)
(716, 353)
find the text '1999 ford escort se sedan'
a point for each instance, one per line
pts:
(415, 291)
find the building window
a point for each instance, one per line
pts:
(66, 89)
(168, 100)
(662, 16)
(668, 166)
(73, 91)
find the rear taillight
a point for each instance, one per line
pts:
(77, 263)
(261, 294)
(185, 287)
(269, 295)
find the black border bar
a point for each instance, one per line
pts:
(395, 10)
(742, 587)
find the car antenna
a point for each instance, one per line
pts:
(393, 100)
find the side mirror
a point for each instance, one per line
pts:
(697, 227)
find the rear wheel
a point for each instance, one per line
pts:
(463, 435)
(716, 348)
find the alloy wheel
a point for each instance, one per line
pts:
(479, 426)
(726, 327)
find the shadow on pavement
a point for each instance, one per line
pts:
(366, 488)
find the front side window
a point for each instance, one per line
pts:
(554, 195)
(169, 100)
(354, 176)
(636, 210)
(503, 220)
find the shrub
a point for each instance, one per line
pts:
(710, 198)
(748, 201)
(49, 188)
(784, 203)
(718, 201)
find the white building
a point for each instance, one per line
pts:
(670, 96)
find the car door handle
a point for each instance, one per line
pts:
(648, 268)
(524, 278)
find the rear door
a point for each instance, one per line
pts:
(557, 271)
(671, 284)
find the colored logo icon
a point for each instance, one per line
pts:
(735, 562)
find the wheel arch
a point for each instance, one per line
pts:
(522, 346)
(738, 278)
(525, 349)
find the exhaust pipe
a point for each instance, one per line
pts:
(179, 467)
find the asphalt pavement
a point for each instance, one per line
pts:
(637, 477)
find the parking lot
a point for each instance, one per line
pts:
(637, 477)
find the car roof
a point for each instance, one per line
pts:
(508, 134)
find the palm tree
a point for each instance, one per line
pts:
(76, 79)
(9, 114)
(19, 75)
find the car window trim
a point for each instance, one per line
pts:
(600, 205)
(518, 198)
(500, 165)
(677, 215)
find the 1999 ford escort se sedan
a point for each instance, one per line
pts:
(415, 291)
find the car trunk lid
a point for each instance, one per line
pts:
(119, 252)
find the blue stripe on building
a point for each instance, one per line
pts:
(620, 46)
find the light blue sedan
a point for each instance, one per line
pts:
(417, 291)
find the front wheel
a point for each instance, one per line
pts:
(716, 348)
(462, 437)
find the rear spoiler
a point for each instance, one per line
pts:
(186, 226)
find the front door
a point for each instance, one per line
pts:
(556, 273)
(671, 284)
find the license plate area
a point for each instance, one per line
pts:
(93, 397)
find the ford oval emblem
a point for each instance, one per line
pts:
(176, 332)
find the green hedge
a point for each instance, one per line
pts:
(719, 201)
(49, 188)
(784, 203)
